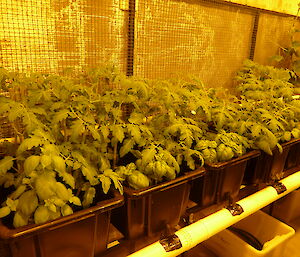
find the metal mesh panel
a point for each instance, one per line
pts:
(207, 39)
(273, 32)
(50, 35)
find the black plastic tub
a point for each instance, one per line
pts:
(221, 182)
(151, 211)
(293, 157)
(84, 233)
(268, 168)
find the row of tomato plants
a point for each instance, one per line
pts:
(79, 135)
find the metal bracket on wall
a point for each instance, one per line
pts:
(254, 35)
(131, 33)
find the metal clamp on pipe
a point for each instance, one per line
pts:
(171, 243)
(235, 209)
(279, 187)
(201, 230)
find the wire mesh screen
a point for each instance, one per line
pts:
(51, 35)
(273, 33)
(207, 39)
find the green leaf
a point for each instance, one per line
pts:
(45, 185)
(66, 210)
(88, 197)
(20, 219)
(46, 161)
(77, 128)
(296, 44)
(20, 190)
(17, 112)
(62, 192)
(135, 132)
(31, 163)
(265, 146)
(40, 111)
(118, 133)
(75, 200)
(4, 211)
(91, 174)
(116, 178)
(60, 115)
(6, 164)
(126, 147)
(136, 118)
(138, 180)
(41, 215)
(276, 58)
(105, 131)
(280, 149)
(12, 204)
(29, 143)
(60, 167)
(106, 183)
(28, 202)
(94, 132)
(296, 66)
(148, 155)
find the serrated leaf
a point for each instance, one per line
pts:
(57, 105)
(265, 146)
(126, 147)
(4, 211)
(29, 143)
(148, 155)
(295, 44)
(136, 118)
(135, 133)
(88, 197)
(296, 66)
(41, 215)
(91, 174)
(76, 165)
(75, 200)
(28, 202)
(20, 219)
(60, 167)
(12, 204)
(106, 183)
(17, 112)
(31, 163)
(40, 111)
(94, 132)
(20, 190)
(46, 160)
(118, 133)
(66, 210)
(116, 178)
(62, 192)
(60, 115)
(77, 128)
(6, 164)
(105, 131)
(276, 58)
(280, 149)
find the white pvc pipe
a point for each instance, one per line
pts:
(201, 230)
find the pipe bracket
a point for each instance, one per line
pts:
(171, 243)
(235, 209)
(279, 187)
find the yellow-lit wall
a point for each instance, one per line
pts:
(172, 37)
(284, 6)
